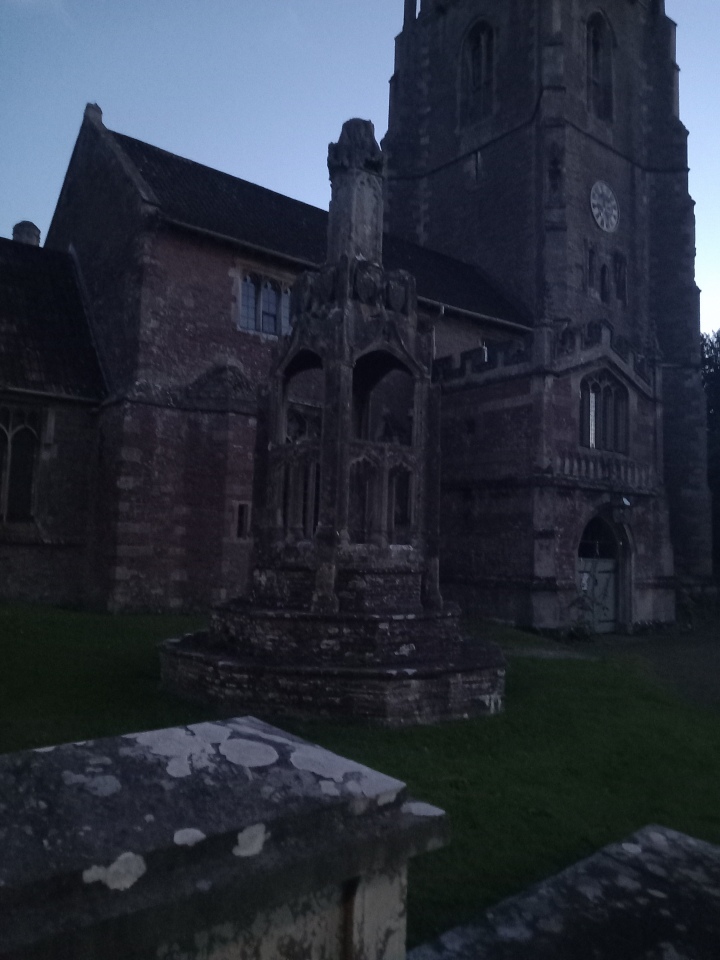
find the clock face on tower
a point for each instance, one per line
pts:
(605, 207)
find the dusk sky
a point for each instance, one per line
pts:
(257, 88)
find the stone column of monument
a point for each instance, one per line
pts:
(345, 614)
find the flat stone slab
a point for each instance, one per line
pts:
(655, 896)
(218, 819)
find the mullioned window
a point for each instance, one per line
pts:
(264, 306)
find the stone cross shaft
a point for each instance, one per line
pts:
(356, 165)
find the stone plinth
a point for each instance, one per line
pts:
(470, 682)
(214, 840)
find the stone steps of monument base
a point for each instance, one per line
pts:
(420, 692)
(297, 637)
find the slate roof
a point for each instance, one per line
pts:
(201, 197)
(45, 342)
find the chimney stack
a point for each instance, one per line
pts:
(26, 232)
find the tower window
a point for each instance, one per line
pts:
(592, 269)
(604, 284)
(599, 68)
(603, 414)
(242, 521)
(620, 269)
(478, 73)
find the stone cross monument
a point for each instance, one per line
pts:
(345, 614)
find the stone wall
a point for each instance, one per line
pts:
(519, 489)
(42, 573)
(100, 218)
(176, 480)
(44, 558)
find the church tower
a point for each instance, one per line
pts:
(541, 141)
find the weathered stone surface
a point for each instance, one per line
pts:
(655, 896)
(156, 843)
(469, 684)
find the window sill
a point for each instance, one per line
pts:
(272, 337)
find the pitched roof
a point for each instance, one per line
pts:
(201, 197)
(45, 342)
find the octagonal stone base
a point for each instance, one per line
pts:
(469, 684)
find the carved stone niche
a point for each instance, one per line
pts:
(314, 290)
(396, 293)
(565, 341)
(368, 285)
(593, 333)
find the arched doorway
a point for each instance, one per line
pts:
(597, 575)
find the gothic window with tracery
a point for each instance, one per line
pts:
(599, 67)
(478, 73)
(603, 414)
(383, 400)
(19, 441)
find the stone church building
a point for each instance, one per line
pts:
(536, 187)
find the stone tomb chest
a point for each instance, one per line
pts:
(210, 842)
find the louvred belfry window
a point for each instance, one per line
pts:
(599, 67)
(478, 73)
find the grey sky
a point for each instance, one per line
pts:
(257, 88)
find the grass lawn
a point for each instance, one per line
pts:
(587, 752)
